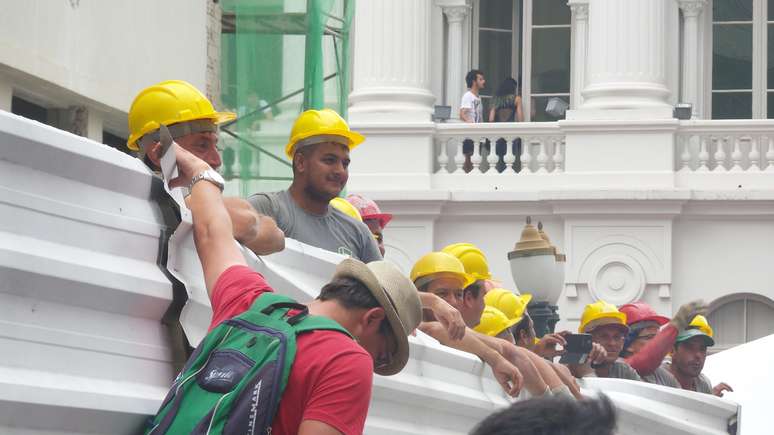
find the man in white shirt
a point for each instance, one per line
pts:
(470, 108)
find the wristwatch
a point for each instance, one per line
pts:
(209, 175)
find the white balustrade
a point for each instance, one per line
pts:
(727, 146)
(541, 150)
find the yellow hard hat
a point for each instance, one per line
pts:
(169, 102)
(601, 313)
(493, 322)
(471, 257)
(314, 126)
(511, 305)
(345, 207)
(702, 324)
(436, 263)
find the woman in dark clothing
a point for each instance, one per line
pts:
(506, 104)
(506, 107)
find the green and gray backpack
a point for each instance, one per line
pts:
(233, 382)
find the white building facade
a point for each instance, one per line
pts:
(645, 206)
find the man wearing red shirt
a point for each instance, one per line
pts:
(329, 386)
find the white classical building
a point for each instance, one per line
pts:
(644, 205)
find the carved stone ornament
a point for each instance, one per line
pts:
(692, 8)
(580, 10)
(455, 14)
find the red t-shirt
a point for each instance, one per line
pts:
(331, 376)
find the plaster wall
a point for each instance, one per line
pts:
(101, 53)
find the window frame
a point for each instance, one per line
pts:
(759, 89)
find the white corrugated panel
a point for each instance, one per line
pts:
(81, 296)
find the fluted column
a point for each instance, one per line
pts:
(455, 82)
(626, 67)
(691, 81)
(580, 35)
(391, 63)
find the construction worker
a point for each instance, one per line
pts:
(345, 207)
(357, 325)
(319, 146)
(688, 356)
(514, 308)
(495, 324)
(608, 330)
(476, 265)
(372, 217)
(651, 336)
(444, 275)
(192, 121)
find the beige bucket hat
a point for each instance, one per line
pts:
(396, 294)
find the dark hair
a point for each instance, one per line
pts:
(304, 151)
(470, 77)
(474, 289)
(554, 415)
(348, 292)
(509, 86)
(523, 325)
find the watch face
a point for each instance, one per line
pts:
(216, 176)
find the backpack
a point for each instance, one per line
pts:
(233, 382)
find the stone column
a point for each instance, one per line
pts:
(391, 79)
(580, 36)
(455, 81)
(626, 67)
(691, 83)
(391, 103)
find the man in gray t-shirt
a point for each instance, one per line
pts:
(319, 147)
(333, 231)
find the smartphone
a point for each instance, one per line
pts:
(577, 349)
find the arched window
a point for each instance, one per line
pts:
(739, 318)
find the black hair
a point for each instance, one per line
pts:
(348, 292)
(304, 151)
(523, 325)
(470, 77)
(474, 289)
(554, 415)
(509, 86)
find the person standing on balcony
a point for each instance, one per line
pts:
(193, 123)
(319, 146)
(471, 110)
(506, 107)
(372, 217)
(364, 315)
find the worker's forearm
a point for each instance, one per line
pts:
(469, 343)
(647, 360)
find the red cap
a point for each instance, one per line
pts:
(640, 312)
(368, 209)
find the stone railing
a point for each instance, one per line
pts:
(499, 148)
(733, 153)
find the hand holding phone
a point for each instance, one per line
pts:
(577, 349)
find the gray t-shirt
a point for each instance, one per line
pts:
(619, 369)
(662, 376)
(333, 231)
(702, 383)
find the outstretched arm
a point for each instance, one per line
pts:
(507, 375)
(211, 222)
(450, 317)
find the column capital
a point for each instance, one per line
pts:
(579, 9)
(455, 10)
(691, 8)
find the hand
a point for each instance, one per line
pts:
(546, 347)
(450, 318)
(597, 355)
(508, 376)
(188, 166)
(687, 312)
(721, 388)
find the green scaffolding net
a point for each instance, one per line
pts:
(278, 58)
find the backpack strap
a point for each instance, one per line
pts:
(277, 306)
